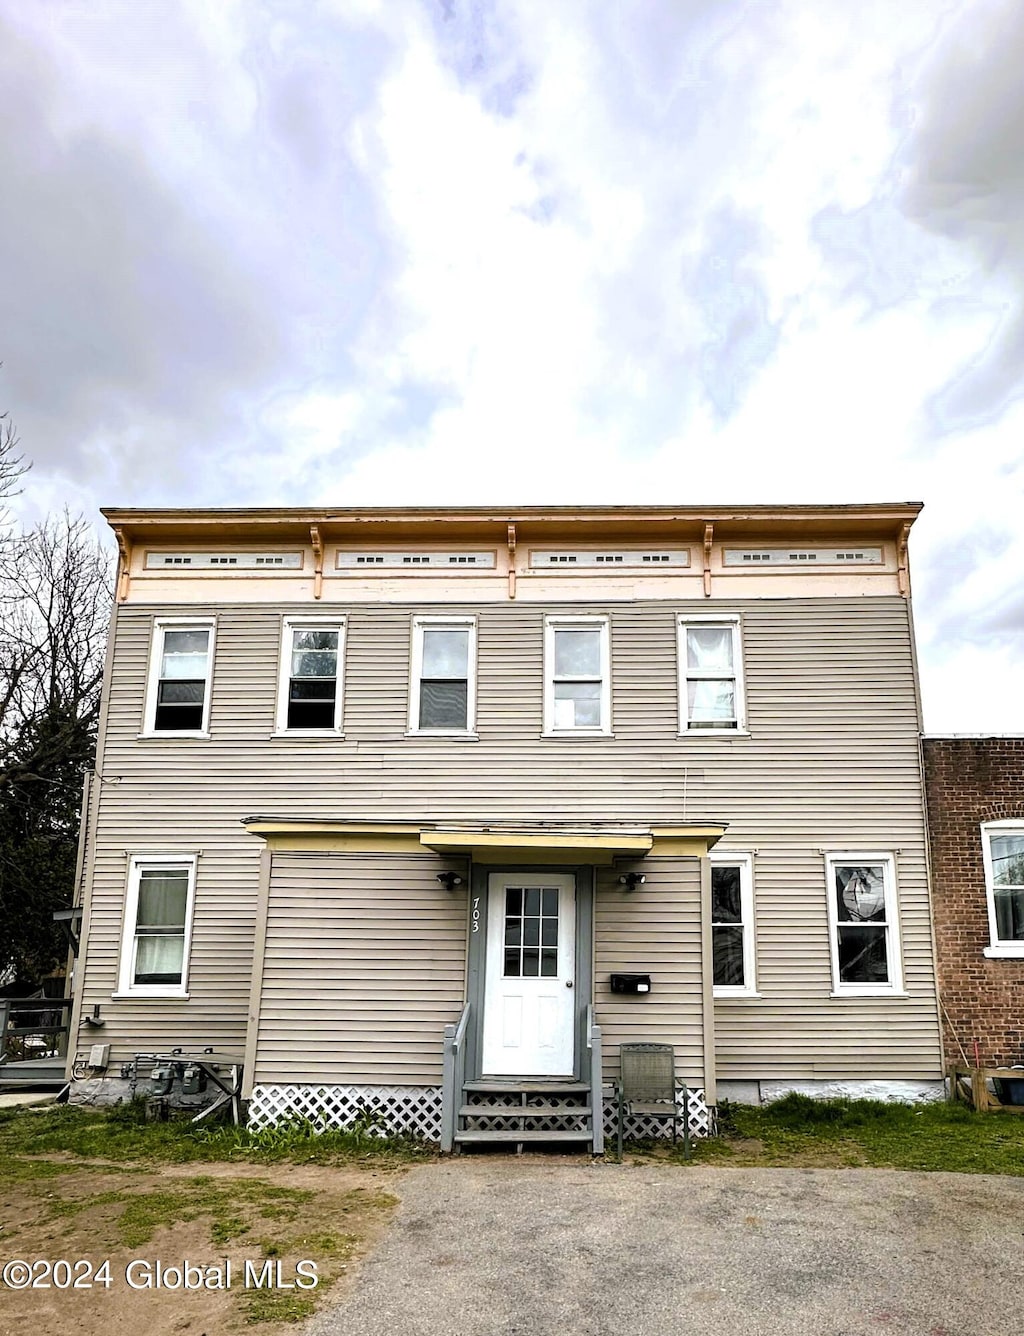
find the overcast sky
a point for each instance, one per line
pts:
(454, 251)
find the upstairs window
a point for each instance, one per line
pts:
(863, 923)
(710, 674)
(578, 679)
(309, 698)
(732, 924)
(179, 683)
(1003, 849)
(442, 696)
(157, 925)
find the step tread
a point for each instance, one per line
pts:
(523, 1134)
(525, 1111)
(538, 1086)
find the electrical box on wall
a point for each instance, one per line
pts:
(99, 1055)
(631, 983)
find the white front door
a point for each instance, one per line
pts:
(530, 978)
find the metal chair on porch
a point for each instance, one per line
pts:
(647, 1089)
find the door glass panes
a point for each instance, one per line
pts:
(181, 690)
(160, 925)
(578, 677)
(727, 926)
(531, 932)
(313, 680)
(861, 924)
(444, 679)
(1007, 854)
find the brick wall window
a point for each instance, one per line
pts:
(1003, 850)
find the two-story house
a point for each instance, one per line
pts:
(395, 800)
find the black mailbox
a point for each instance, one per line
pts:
(631, 983)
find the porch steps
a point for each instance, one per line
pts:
(514, 1113)
(534, 1110)
(540, 1086)
(522, 1135)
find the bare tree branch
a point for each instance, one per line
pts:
(55, 594)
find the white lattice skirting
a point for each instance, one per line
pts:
(415, 1110)
(637, 1128)
(391, 1109)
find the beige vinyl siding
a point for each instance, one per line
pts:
(364, 966)
(654, 930)
(220, 961)
(796, 1029)
(831, 762)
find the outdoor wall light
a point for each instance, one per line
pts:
(631, 880)
(449, 880)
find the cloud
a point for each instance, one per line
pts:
(965, 182)
(378, 252)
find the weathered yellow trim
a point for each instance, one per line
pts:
(350, 843)
(489, 846)
(252, 1028)
(709, 538)
(707, 970)
(902, 560)
(679, 847)
(318, 560)
(511, 561)
(337, 836)
(446, 841)
(285, 826)
(124, 553)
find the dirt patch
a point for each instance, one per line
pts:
(256, 1237)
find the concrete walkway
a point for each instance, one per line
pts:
(12, 1098)
(483, 1246)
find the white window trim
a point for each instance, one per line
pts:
(997, 950)
(439, 623)
(581, 623)
(892, 925)
(745, 863)
(156, 653)
(125, 985)
(321, 623)
(739, 728)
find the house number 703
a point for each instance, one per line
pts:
(476, 913)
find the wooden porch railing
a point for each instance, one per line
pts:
(33, 1035)
(453, 1078)
(596, 1082)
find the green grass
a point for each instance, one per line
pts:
(224, 1201)
(798, 1131)
(122, 1134)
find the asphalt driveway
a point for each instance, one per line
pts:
(486, 1246)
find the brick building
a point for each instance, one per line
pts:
(975, 792)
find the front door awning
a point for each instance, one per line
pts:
(553, 843)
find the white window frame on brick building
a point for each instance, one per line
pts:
(1000, 946)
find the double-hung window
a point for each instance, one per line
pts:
(178, 700)
(1003, 849)
(309, 696)
(732, 924)
(158, 925)
(577, 688)
(442, 698)
(710, 674)
(863, 923)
